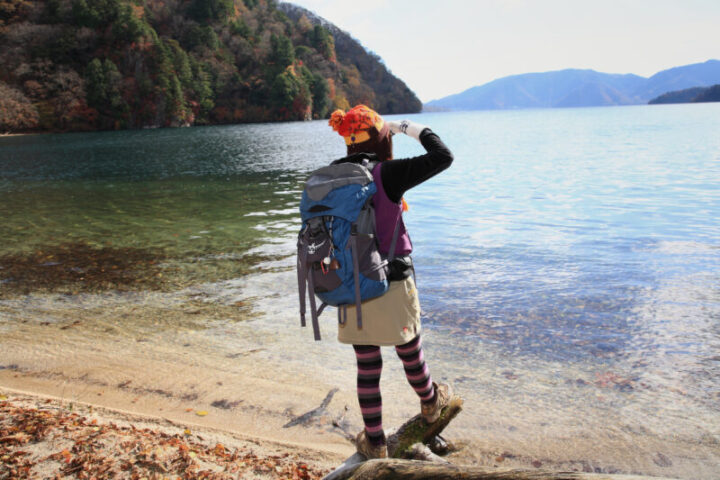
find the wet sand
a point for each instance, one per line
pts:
(223, 357)
(173, 376)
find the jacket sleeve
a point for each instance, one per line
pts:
(399, 176)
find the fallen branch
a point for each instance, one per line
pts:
(416, 430)
(17, 438)
(316, 412)
(396, 469)
(410, 442)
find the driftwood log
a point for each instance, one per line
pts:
(416, 431)
(414, 460)
(408, 442)
(397, 469)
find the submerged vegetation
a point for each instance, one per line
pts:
(73, 65)
(79, 267)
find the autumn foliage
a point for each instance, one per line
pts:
(114, 64)
(53, 441)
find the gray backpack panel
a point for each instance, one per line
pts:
(326, 179)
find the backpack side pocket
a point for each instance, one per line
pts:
(371, 263)
(319, 246)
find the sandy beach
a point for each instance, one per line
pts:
(202, 360)
(119, 374)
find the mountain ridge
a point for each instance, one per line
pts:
(577, 88)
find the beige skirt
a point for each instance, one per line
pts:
(393, 319)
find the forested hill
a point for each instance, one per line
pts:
(69, 65)
(396, 96)
(690, 95)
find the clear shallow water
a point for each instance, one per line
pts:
(568, 262)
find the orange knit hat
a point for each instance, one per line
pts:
(355, 124)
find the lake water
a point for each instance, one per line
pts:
(568, 265)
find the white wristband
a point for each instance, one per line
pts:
(411, 129)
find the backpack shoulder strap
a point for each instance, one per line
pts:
(396, 234)
(358, 158)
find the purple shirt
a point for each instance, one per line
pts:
(387, 213)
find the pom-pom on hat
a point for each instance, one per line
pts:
(354, 125)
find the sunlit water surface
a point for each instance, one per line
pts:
(568, 264)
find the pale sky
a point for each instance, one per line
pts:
(442, 47)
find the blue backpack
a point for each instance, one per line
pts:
(338, 257)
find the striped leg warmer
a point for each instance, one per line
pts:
(369, 362)
(416, 370)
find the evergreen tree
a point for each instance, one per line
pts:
(322, 41)
(95, 85)
(210, 10)
(95, 13)
(202, 92)
(128, 27)
(320, 96)
(291, 96)
(282, 52)
(103, 82)
(198, 36)
(240, 27)
(177, 109)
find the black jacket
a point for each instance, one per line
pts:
(399, 176)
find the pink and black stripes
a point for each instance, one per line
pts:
(369, 361)
(416, 370)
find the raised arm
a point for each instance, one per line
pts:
(399, 176)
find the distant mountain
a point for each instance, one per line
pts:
(689, 95)
(680, 78)
(577, 88)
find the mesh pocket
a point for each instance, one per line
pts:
(319, 247)
(324, 280)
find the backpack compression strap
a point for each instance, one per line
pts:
(313, 308)
(304, 279)
(356, 275)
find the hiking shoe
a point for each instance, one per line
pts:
(431, 411)
(366, 448)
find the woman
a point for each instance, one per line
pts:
(394, 318)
